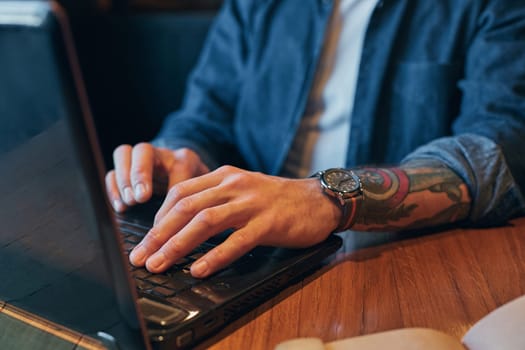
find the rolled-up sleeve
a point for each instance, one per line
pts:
(496, 196)
(487, 145)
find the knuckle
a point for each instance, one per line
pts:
(184, 154)
(173, 248)
(237, 179)
(243, 240)
(175, 193)
(226, 169)
(162, 217)
(207, 218)
(153, 239)
(185, 206)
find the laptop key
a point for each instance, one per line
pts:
(143, 285)
(160, 291)
(158, 279)
(141, 273)
(132, 238)
(181, 278)
(178, 286)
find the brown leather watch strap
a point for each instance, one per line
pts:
(349, 213)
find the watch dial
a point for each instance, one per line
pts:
(341, 180)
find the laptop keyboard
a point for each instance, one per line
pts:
(168, 299)
(185, 294)
(171, 282)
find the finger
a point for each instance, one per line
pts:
(174, 167)
(150, 243)
(113, 192)
(122, 161)
(187, 212)
(207, 223)
(236, 245)
(187, 188)
(178, 216)
(141, 174)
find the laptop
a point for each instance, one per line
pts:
(63, 251)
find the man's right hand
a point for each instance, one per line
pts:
(144, 169)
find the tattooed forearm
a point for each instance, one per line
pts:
(410, 196)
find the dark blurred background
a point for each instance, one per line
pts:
(136, 56)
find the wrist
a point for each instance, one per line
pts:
(344, 188)
(329, 210)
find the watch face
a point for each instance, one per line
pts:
(341, 180)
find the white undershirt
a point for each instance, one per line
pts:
(322, 138)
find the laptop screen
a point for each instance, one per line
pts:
(51, 212)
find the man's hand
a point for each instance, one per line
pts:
(143, 169)
(263, 210)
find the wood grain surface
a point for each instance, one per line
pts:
(446, 281)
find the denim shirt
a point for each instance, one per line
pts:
(441, 80)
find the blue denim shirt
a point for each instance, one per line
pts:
(441, 80)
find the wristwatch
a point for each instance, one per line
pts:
(346, 189)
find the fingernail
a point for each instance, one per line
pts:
(156, 261)
(128, 195)
(138, 255)
(118, 205)
(199, 268)
(140, 191)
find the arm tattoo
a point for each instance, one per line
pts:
(411, 196)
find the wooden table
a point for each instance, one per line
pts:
(446, 281)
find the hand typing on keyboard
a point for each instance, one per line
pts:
(144, 169)
(263, 209)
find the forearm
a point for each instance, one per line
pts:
(413, 195)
